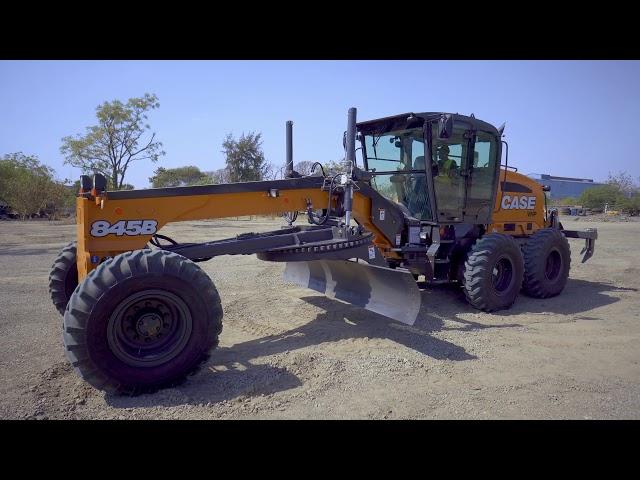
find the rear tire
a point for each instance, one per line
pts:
(493, 272)
(141, 321)
(63, 278)
(547, 260)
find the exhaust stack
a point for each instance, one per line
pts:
(289, 147)
(349, 160)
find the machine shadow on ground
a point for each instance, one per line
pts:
(338, 321)
(213, 384)
(578, 296)
(230, 372)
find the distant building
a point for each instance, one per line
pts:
(564, 187)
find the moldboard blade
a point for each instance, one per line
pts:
(388, 292)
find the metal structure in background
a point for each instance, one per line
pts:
(564, 187)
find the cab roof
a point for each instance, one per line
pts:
(399, 121)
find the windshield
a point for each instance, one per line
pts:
(397, 159)
(395, 150)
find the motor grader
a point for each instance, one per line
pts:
(425, 203)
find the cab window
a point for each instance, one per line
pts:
(398, 160)
(483, 171)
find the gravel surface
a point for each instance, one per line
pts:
(287, 352)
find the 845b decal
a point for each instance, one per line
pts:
(102, 228)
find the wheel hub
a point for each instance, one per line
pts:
(502, 275)
(149, 328)
(149, 325)
(147, 320)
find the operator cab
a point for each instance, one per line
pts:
(459, 181)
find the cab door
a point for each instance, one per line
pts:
(448, 172)
(481, 182)
(465, 168)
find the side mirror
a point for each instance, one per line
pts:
(396, 141)
(344, 138)
(445, 126)
(358, 137)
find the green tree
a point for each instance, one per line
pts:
(207, 179)
(303, 167)
(270, 172)
(629, 204)
(624, 182)
(563, 201)
(60, 197)
(334, 167)
(179, 177)
(220, 176)
(244, 158)
(6, 171)
(26, 184)
(116, 141)
(597, 197)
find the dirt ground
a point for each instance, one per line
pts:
(287, 352)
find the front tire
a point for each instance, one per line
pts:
(141, 321)
(63, 278)
(493, 272)
(547, 260)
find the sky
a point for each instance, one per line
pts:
(566, 118)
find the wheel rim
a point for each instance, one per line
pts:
(502, 275)
(553, 265)
(149, 328)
